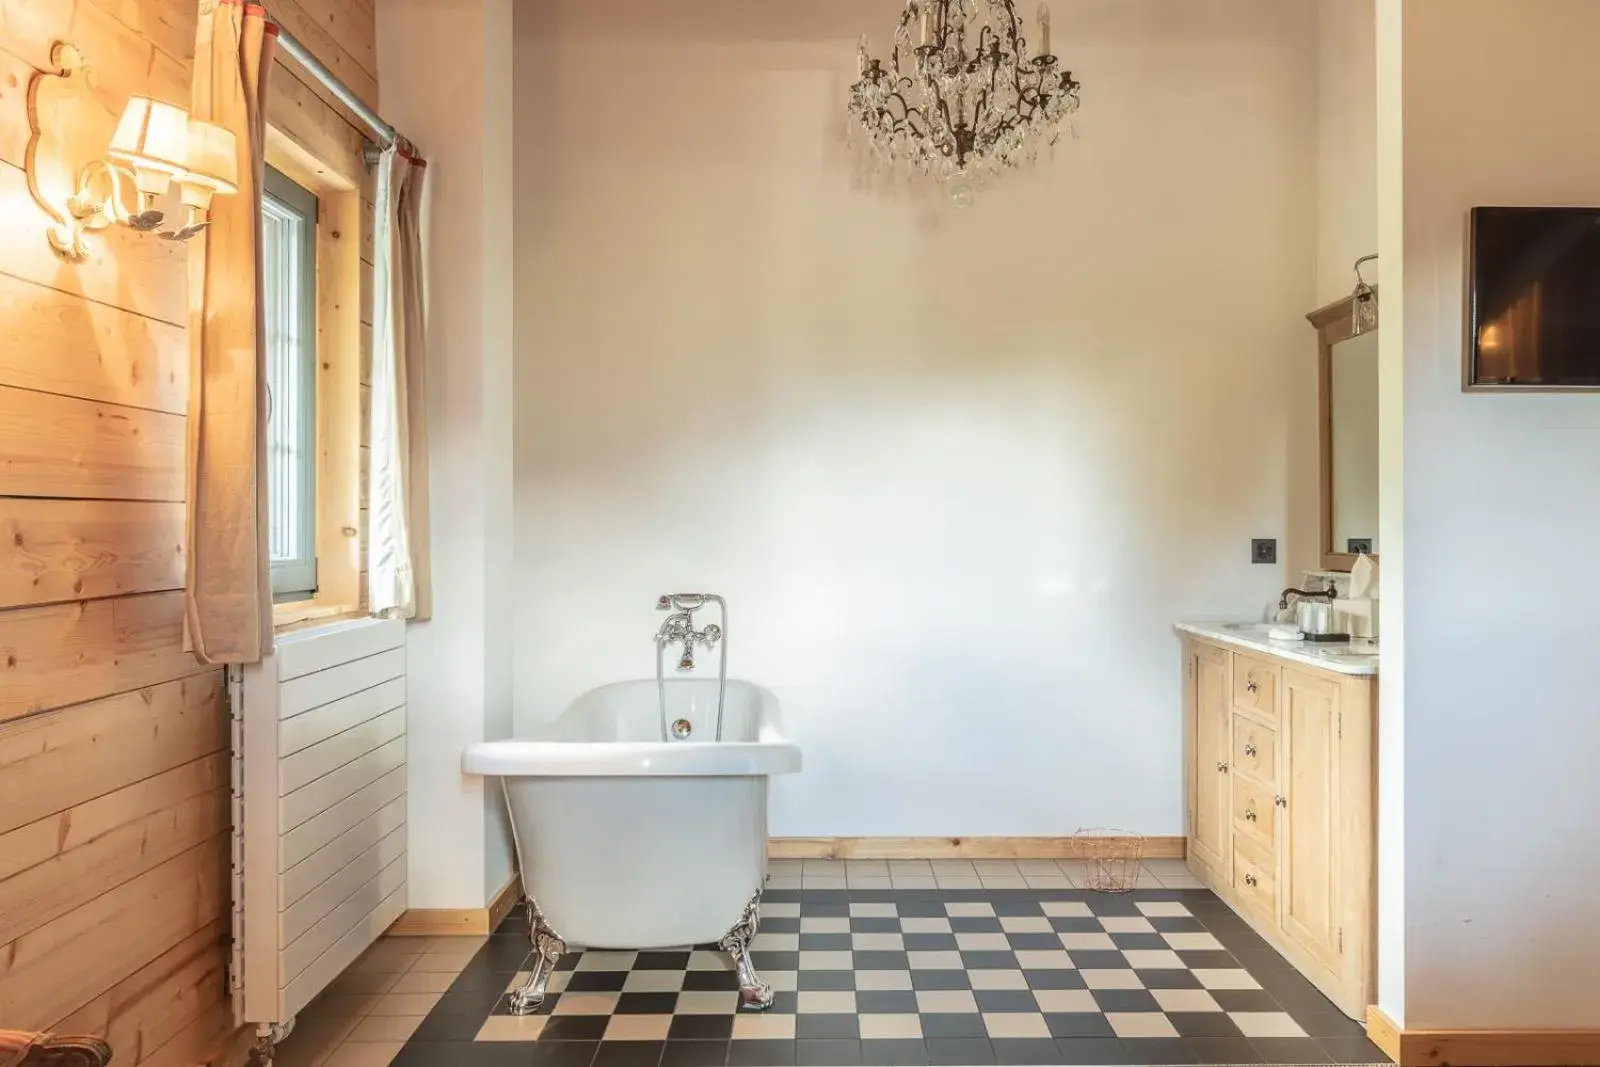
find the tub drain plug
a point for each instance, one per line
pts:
(681, 729)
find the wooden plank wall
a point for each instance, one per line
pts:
(114, 849)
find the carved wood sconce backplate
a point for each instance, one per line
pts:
(69, 130)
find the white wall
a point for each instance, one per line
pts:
(957, 471)
(458, 669)
(1347, 145)
(1501, 520)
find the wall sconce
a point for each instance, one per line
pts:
(1364, 305)
(88, 175)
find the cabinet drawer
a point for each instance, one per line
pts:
(1255, 685)
(1255, 812)
(1255, 750)
(1254, 877)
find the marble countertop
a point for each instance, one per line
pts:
(1345, 657)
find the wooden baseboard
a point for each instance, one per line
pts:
(1382, 1031)
(1481, 1048)
(464, 922)
(952, 848)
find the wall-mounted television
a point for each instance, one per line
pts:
(1534, 298)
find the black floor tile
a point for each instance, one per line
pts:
(871, 924)
(1022, 904)
(1097, 959)
(1022, 1050)
(1073, 924)
(837, 1027)
(787, 961)
(1223, 1050)
(443, 1028)
(1169, 978)
(694, 1053)
(992, 959)
(879, 1001)
(1296, 1050)
(781, 924)
(1177, 924)
(1005, 1000)
(1053, 979)
(1352, 1050)
(1125, 1000)
(1246, 1000)
(701, 1028)
(809, 980)
(1203, 1024)
(1139, 941)
(710, 981)
(761, 1054)
(1208, 958)
(823, 943)
(1032, 941)
(879, 960)
(1098, 1051)
(827, 1053)
(1078, 1025)
(551, 1053)
(596, 981)
(975, 924)
(1162, 1050)
(629, 1054)
(930, 942)
(574, 1028)
(953, 1025)
(646, 1003)
(965, 1051)
(936, 980)
(785, 1002)
(893, 1052)
(665, 961)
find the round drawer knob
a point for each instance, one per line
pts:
(1249, 816)
(1249, 879)
(1250, 750)
(1281, 800)
(1222, 768)
(1250, 686)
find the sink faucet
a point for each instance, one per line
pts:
(1304, 594)
(679, 627)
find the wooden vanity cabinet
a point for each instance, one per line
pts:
(1280, 768)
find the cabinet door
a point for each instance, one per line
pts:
(1309, 854)
(1210, 796)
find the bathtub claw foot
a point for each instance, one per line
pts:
(548, 949)
(754, 994)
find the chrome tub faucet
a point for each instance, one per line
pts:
(678, 627)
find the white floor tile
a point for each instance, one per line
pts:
(1140, 1024)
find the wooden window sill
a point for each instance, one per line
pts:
(303, 614)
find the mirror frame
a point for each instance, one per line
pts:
(1334, 323)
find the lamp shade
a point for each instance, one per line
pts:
(153, 139)
(213, 157)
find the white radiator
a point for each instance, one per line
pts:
(320, 744)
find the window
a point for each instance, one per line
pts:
(289, 260)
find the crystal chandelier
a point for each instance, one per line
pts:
(961, 98)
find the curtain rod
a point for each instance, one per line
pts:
(385, 134)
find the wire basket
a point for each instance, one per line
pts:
(1111, 859)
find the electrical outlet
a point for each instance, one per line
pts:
(1263, 550)
(1358, 546)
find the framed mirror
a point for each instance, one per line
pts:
(1347, 401)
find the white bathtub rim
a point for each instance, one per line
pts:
(588, 759)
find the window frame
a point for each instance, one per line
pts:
(323, 153)
(295, 579)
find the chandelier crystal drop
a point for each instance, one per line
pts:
(961, 97)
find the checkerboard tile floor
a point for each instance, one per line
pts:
(1003, 974)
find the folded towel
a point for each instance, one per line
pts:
(1285, 633)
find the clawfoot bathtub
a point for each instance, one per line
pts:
(629, 841)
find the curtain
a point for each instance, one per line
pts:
(228, 591)
(399, 576)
